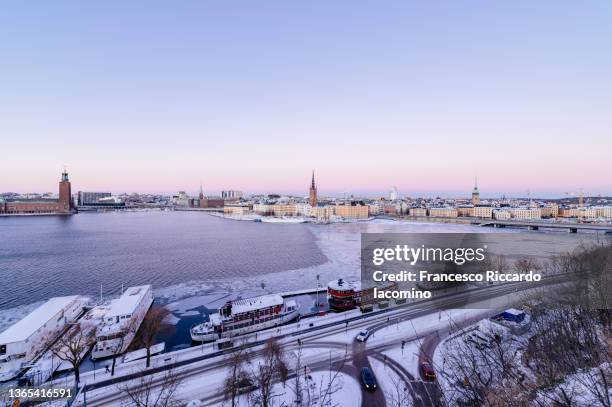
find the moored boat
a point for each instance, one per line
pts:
(244, 316)
(121, 321)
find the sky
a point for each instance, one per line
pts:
(152, 96)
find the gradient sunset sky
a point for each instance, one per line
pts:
(160, 96)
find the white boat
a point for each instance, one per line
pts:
(26, 340)
(244, 316)
(283, 219)
(121, 321)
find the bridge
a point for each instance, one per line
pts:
(534, 225)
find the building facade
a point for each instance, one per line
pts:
(63, 205)
(352, 211)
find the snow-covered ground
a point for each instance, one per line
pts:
(345, 391)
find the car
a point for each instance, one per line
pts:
(363, 336)
(427, 371)
(368, 379)
(245, 385)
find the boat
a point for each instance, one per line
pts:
(25, 341)
(121, 321)
(244, 316)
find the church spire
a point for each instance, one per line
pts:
(312, 196)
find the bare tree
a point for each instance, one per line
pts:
(237, 376)
(118, 346)
(321, 394)
(151, 326)
(272, 367)
(73, 346)
(152, 390)
(400, 395)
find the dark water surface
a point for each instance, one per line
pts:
(46, 256)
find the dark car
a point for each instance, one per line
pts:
(245, 385)
(427, 371)
(368, 379)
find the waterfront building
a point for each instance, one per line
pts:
(303, 209)
(375, 209)
(482, 211)
(418, 212)
(62, 205)
(352, 211)
(89, 198)
(312, 193)
(322, 212)
(580, 213)
(236, 209)
(284, 210)
(465, 210)
(526, 213)
(390, 209)
(443, 212)
(262, 209)
(502, 214)
(603, 211)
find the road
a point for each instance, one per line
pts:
(104, 392)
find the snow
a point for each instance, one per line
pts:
(343, 285)
(252, 304)
(409, 358)
(345, 391)
(142, 353)
(27, 326)
(386, 378)
(580, 386)
(128, 302)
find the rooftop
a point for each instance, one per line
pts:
(127, 303)
(25, 328)
(251, 304)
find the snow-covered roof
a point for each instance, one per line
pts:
(127, 303)
(513, 311)
(25, 328)
(251, 304)
(344, 285)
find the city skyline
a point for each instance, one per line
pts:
(419, 95)
(200, 190)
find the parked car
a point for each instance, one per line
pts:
(427, 371)
(368, 379)
(363, 336)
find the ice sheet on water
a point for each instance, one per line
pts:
(171, 319)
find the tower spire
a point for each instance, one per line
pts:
(312, 195)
